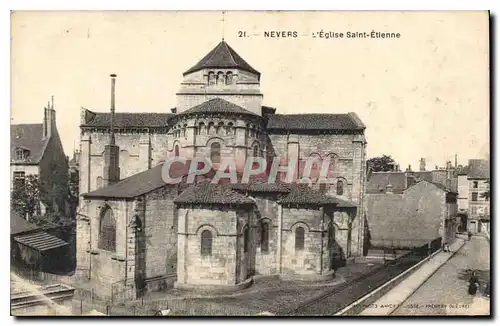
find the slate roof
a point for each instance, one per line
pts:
(222, 56)
(123, 119)
(217, 105)
(379, 180)
(479, 169)
(19, 225)
(314, 121)
(136, 185)
(207, 193)
(30, 137)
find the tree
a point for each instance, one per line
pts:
(25, 197)
(381, 163)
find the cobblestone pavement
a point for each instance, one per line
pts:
(445, 292)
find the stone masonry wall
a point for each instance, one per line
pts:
(307, 261)
(220, 267)
(160, 228)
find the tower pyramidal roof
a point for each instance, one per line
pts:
(222, 56)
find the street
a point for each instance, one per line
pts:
(445, 292)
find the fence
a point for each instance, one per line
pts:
(36, 276)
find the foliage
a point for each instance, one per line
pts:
(381, 163)
(25, 198)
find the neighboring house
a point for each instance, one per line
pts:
(478, 177)
(410, 217)
(135, 230)
(33, 248)
(36, 149)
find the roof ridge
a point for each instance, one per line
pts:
(228, 48)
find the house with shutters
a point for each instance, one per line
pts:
(36, 149)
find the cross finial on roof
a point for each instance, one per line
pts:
(223, 12)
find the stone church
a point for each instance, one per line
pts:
(135, 231)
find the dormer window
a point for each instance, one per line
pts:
(21, 154)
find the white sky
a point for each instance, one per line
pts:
(423, 95)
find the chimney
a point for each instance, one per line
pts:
(111, 172)
(397, 168)
(388, 189)
(422, 164)
(456, 161)
(49, 119)
(408, 169)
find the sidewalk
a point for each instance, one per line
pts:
(391, 300)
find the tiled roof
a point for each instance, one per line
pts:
(422, 175)
(30, 137)
(262, 187)
(19, 225)
(379, 180)
(479, 169)
(222, 56)
(310, 121)
(124, 120)
(217, 105)
(207, 193)
(305, 195)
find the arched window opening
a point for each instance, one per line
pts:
(220, 128)
(246, 235)
(176, 151)
(215, 153)
(323, 187)
(264, 237)
(220, 78)
(211, 78)
(206, 243)
(340, 187)
(184, 130)
(201, 128)
(107, 230)
(229, 78)
(331, 236)
(256, 151)
(299, 238)
(229, 129)
(211, 128)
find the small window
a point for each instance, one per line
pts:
(340, 187)
(229, 128)
(299, 238)
(474, 196)
(21, 154)
(206, 243)
(256, 151)
(475, 184)
(264, 237)
(215, 153)
(323, 187)
(211, 78)
(229, 78)
(220, 78)
(176, 151)
(246, 239)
